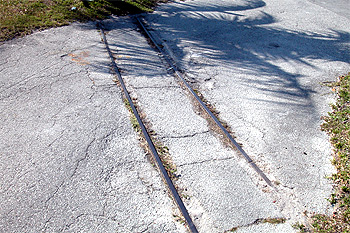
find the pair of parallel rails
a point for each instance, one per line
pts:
(151, 146)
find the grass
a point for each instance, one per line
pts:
(22, 17)
(337, 125)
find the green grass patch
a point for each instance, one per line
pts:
(22, 17)
(337, 125)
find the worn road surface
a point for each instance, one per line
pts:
(70, 160)
(340, 7)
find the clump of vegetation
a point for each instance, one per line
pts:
(337, 125)
(300, 227)
(274, 220)
(22, 17)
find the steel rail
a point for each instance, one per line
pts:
(164, 173)
(212, 116)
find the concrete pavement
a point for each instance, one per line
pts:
(70, 160)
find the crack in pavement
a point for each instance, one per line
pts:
(47, 221)
(56, 139)
(186, 136)
(84, 158)
(147, 227)
(205, 161)
(55, 192)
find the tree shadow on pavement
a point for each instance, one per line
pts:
(245, 36)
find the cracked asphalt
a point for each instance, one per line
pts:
(71, 161)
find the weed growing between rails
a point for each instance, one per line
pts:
(162, 150)
(337, 125)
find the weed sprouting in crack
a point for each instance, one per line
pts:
(179, 218)
(163, 151)
(232, 230)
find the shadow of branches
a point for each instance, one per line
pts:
(247, 37)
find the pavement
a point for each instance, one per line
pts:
(340, 7)
(70, 160)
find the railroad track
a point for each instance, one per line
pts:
(164, 54)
